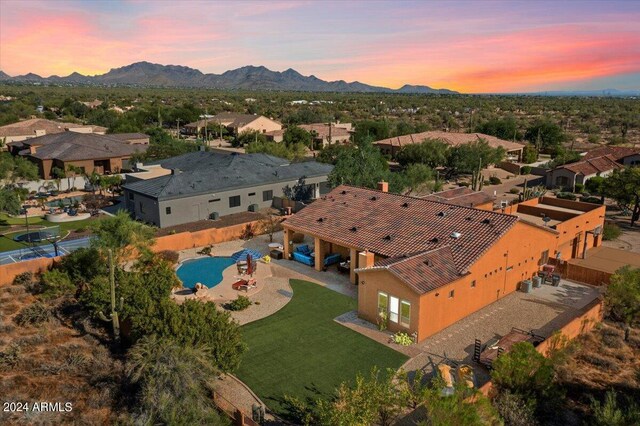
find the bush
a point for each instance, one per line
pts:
(169, 256)
(206, 251)
(240, 304)
(465, 184)
(579, 188)
(525, 170)
(56, 283)
(83, 265)
(592, 200)
(10, 356)
(24, 279)
(36, 314)
(514, 190)
(611, 231)
(566, 196)
(600, 362)
(495, 180)
(514, 409)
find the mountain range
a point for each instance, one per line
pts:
(247, 78)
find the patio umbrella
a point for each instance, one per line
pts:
(242, 255)
(249, 264)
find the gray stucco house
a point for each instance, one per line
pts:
(203, 184)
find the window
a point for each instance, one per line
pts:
(394, 305)
(383, 302)
(544, 257)
(214, 200)
(167, 210)
(234, 201)
(452, 293)
(251, 194)
(405, 313)
(473, 284)
(267, 195)
(141, 207)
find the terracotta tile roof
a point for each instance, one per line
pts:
(461, 196)
(422, 272)
(451, 138)
(616, 152)
(592, 166)
(29, 127)
(394, 225)
(228, 119)
(322, 130)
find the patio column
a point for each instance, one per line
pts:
(286, 246)
(319, 252)
(353, 255)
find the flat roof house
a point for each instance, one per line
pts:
(203, 185)
(90, 152)
(36, 127)
(392, 146)
(234, 123)
(426, 264)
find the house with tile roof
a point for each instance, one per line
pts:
(206, 185)
(323, 133)
(234, 123)
(35, 127)
(464, 196)
(424, 263)
(391, 146)
(103, 154)
(567, 176)
(623, 155)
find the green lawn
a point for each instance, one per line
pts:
(7, 243)
(301, 351)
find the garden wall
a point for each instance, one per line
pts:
(510, 167)
(583, 323)
(10, 271)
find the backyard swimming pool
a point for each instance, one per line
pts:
(206, 270)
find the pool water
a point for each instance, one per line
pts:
(206, 270)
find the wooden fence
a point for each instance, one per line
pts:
(237, 416)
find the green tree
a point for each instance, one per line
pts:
(503, 128)
(545, 135)
(419, 177)
(371, 130)
(247, 137)
(298, 192)
(174, 382)
(123, 235)
(431, 152)
(622, 297)
(24, 170)
(361, 164)
(529, 154)
(467, 157)
(623, 186)
(10, 200)
(293, 152)
(297, 135)
(58, 174)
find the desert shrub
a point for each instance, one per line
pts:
(525, 170)
(169, 256)
(10, 356)
(600, 362)
(465, 184)
(36, 339)
(15, 290)
(206, 251)
(612, 341)
(23, 279)
(612, 412)
(611, 231)
(240, 304)
(591, 199)
(248, 232)
(83, 265)
(566, 196)
(297, 238)
(514, 410)
(523, 371)
(56, 283)
(579, 188)
(35, 314)
(514, 190)
(495, 180)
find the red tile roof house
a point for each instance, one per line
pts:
(623, 155)
(568, 175)
(323, 134)
(392, 146)
(426, 264)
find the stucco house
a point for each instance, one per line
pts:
(103, 154)
(623, 155)
(421, 265)
(464, 196)
(323, 133)
(392, 146)
(568, 175)
(205, 185)
(36, 127)
(234, 123)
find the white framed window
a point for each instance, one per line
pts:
(394, 309)
(405, 313)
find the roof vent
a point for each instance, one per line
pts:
(428, 262)
(343, 192)
(373, 198)
(405, 205)
(456, 235)
(320, 220)
(353, 229)
(441, 214)
(468, 218)
(486, 221)
(387, 238)
(434, 240)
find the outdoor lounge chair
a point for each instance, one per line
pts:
(245, 285)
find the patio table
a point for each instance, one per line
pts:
(505, 343)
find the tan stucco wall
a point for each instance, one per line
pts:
(261, 124)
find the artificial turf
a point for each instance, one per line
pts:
(301, 351)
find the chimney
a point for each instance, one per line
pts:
(383, 186)
(32, 149)
(366, 259)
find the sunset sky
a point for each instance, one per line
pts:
(472, 46)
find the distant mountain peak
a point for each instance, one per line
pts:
(249, 77)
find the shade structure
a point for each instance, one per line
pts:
(249, 264)
(242, 255)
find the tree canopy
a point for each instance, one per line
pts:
(623, 185)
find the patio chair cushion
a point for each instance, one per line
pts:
(304, 249)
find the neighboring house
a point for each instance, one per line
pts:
(234, 123)
(323, 134)
(426, 264)
(205, 185)
(36, 127)
(568, 175)
(464, 196)
(623, 155)
(102, 154)
(93, 104)
(392, 146)
(131, 138)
